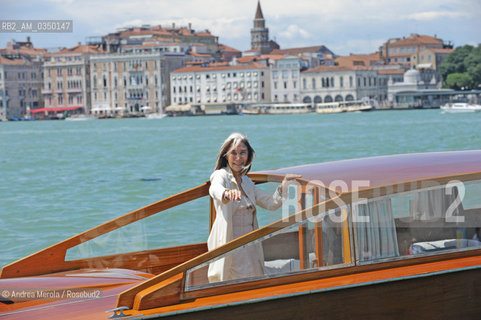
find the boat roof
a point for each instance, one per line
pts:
(387, 170)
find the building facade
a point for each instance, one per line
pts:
(285, 79)
(132, 83)
(405, 50)
(20, 87)
(430, 59)
(333, 83)
(221, 85)
(66, 82)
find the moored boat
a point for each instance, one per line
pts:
(343, 106)
(81, 117)
(155, 116)
(278, 108)
(391, 236)
(460, 107)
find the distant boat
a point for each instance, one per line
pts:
(460, 107)
(343, 106)
(155, 116)
(278, 108)
(81, 117)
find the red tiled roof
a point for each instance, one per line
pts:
(359, 60)
(391, 71)
(224, 48)
(295, 51)
(13, 62)
(248, 59)
(274, 56)
(328, 69)
(253, 65)
(80, 49)
(416, 39)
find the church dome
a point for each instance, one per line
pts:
(412, 76)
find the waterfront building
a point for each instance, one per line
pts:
(428, 62)
(20, 85)
(335, 83)
(403, 94)
(404, 51)
(20, 79)
(132, 83)
(285, 79)
(260, 43)
(220, 85)
(66, 81)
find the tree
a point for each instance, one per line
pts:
(466, 61)
(459, 81)
(473, 65)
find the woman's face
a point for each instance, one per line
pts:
(237, 158)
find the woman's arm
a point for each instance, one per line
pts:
(274, 201)
(217, 187)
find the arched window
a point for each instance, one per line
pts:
(328, 99)
(349, 97)
(338, 98)
(307, 99)
(317, 99)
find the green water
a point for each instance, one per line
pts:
(59, 178)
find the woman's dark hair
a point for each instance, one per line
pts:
(229, 144)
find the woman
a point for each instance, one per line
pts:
(235, 197)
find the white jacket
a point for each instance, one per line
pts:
(222, 230)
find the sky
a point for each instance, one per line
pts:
(343, 26)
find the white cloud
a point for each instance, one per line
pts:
(432, 15)
(294, 31)
(342, 24)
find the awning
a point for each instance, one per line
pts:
(55, 109)
(425, 66)
(179, 108)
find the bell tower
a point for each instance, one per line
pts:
(259, 33)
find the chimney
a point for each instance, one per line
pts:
(173, 25)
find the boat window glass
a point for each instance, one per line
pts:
(432, 220)
(472, 195)
(321, 242)
(167, 228)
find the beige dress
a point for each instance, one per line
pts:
(222, 230)
(246, 262)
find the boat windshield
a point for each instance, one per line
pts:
(316, 243)
(427, 220)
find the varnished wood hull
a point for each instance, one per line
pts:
(452, 295)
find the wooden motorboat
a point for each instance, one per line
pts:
(393, 237)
